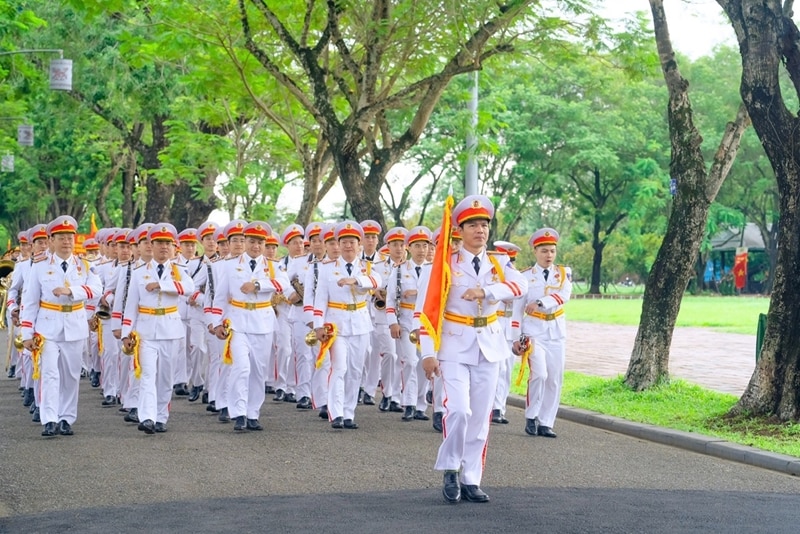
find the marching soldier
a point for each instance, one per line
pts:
(510, 323)
(471, 347)
(372, 359)
(55, 326)
(247, 323)
(280, 354)
(185, 360)
(401, 299)
(200, 376)
(390, 378)
(151, 317)
(549, 288)
(341, 301)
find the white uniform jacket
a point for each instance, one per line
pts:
(249, 313)
(549, 321)
(401, 311)
(61, 318)
(347, 306)
(468, 325)
(154, 314)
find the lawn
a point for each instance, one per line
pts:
(725, 314)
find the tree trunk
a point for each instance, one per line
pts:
(768, 39)
(696, 189)
(363, 196)
(597, 264)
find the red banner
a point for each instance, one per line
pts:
(740, 269)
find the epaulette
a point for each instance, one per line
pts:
(526, 270)
(215, 260)
(139, 266)
(104, 262)
(327, 261)
(496, 253)
(38, 258)
(233, 257)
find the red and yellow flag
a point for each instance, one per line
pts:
(740, 269)
(439, 285)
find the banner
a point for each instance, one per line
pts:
(740, 268)
(61, 74)
(7, 163)
(25, 135)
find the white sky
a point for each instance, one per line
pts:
(695, 26)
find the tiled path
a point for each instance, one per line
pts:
(715, 360)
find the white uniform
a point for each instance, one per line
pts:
(384, 348)
(129, 384)
(191, 317)
(346, 307)
(548, 329)
(63, 323)
(279, 374)
(301, 362)
(252, 321)
(154, 316)
(472, 345)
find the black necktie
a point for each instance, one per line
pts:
(160, 270)
(476, 262)
(64, 266)
(349, 268)
(546, 273)
(417, 268)
(252, 265)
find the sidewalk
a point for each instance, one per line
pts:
(715, 360)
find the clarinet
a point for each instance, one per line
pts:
(398, 292)
(210, 281)
(127, 285)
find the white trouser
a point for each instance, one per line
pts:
(409, 358)
(438, 395)
(197, 358)
(213, 381)
(422, 387)
(180, 375)
(302, 361)
(109, 378)
(279, 370)
(504, 381)
(155, 385)
(377, 364)
(223, 385)
(347, 363)
(26, 375)
(60, 370)
(131, 397)
(246, 380)
(468, 393)
(544, 385)
(320, 378)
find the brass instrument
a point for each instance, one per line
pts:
(298, 287)
(6, 268)
(311, 337)
(413, 336)
(18, 342)
(103, 312)
(379, 299)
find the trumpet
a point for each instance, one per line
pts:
(379, 300)
(312, 339)
(103, 312)
(18, 342)
(413, 336)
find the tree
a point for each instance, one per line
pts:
(769, 41)
(696, 189)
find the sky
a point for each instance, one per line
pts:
(695, 26)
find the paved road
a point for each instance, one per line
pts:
(299, 475)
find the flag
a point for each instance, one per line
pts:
(439, 284)
(740, 268)
(92, 226)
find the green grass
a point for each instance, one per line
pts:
(678, 405)
(724, 314)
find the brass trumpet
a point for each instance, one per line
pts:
(312, 339)
(413, 336)
(18, 342)
(379, 300)
(103, 312)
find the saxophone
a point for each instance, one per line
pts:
(298, 287)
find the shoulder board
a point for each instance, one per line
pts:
(215, 260)
(39, 258)
(325, 262)
(526, 270)
(139, 266)
(232, 257)
(105, 262)
(494, 252)
(427, 263)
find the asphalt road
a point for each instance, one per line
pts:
(299, 475)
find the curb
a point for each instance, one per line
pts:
(711, 446)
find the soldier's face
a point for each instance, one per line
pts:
(332, 249)
(146, 250)
(397, 250)
(370, 244)
(209, 245)
(474, 235)
(63, 244)
(162, 250)
(295, 246)
(25, 249)
(124, 252)
(349, 246)
(39, 246)
(254, 246)
(271, 252)
(111, 250)
(545, 255)
(236, 244)
(317, 246)
(224, 248)
(188, 249)
(419, 250)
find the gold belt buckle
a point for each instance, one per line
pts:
(159, 311)
(479, 322)
(350, 307)
(549, 316)
(66, 308)
(250, 306)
